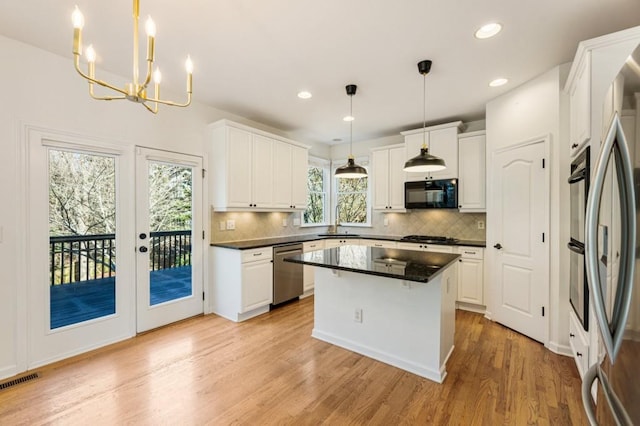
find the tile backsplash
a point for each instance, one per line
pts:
(449, 223)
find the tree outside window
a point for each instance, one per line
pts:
(317, 182)
(352, 201)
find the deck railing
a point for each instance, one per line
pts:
(76, 258)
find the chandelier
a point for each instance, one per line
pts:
(136, 91)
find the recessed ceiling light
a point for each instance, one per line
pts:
(498, 82)
(304, 95)
(349, 118)
(489, 30)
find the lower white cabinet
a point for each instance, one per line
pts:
(578, 340)
(470, 275)
(338, 242)
(309, 271)
(241, 282)
(425, 247)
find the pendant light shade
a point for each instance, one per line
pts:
(351, 170)
(424, 162)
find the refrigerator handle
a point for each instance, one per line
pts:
(612, 335)
(587, 400)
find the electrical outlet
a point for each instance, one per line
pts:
(357, 315)
(222, 225)
(386, 221)
(481, 224)
(231, 224)
(284, 222)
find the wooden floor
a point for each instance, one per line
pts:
(268, 370)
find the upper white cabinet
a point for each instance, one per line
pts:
(579, 88)
(289, 167)
(251, 170)
(472, 170)
(442, 141)
(388, 178)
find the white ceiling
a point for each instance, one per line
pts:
(252, 57)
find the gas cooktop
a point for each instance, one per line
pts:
(428, 239)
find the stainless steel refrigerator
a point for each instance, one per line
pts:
(611, 388)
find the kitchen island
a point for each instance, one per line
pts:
(396, 306)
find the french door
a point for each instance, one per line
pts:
(169, 237)
(78, 274)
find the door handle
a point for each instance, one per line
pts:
(143, 249)
(142, 236)
(575, 247)
(498, 246)
(614, 144)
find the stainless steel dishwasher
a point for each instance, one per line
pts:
(287, 276)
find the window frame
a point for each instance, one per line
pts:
(325, 165)
(361, 161)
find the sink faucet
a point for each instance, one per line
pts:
(337, 224)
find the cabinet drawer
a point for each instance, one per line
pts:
(579, 344)
(313, 246)
(257, 254)
(437, 248)
(380, 244)
(471, 252)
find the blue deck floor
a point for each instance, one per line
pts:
(85, 300)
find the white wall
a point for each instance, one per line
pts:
(537, 109)
(42, 89)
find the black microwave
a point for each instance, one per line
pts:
(431, 194)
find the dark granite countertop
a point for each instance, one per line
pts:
(408, 265)
(280, 241)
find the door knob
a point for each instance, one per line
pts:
(143, 249)
(498, 246)
(142, 236)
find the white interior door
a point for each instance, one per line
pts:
(169, 237)
(78, 272)
(520, 274)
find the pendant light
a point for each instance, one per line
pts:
(351, 169)
(424, 162)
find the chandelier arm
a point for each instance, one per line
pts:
(152, 110)
(171, 103)
(147, 79)
(93, 80)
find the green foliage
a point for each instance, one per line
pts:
(316, 196)
(352, 200)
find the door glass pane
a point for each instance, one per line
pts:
(82, 240)
(170, 218)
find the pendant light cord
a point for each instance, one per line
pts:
(424, 110)
(351, 126)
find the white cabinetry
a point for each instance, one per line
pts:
(578, 340)
(442, 141)
(309, 271)
(241, 282)
(425, 247)
(388, 178)
(472, 180)
(338, 242)
(471, 275)
(251, 170)
(289, 166)
(378, 243)
(579, 85)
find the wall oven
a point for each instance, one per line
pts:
(578, 285)
(431, 194)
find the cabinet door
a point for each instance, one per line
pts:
(282, 173)
(443, 143)
(580, 106)
(472, 181)
(470, 288)
(413, 143)
(309, 271)
(396, 178)
(262, 171)
(239, 175)
(381, 179)
(299, 166)
(257, 284)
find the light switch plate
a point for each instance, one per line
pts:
(222, 225)
(231, 224)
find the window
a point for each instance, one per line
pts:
(352, 199)
(316, 213)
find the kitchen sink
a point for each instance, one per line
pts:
(328, 235)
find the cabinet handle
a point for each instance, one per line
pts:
(572, 335)
(257, 254)
(574, 146)
(460, 206)
(459, 260)
(469, 252)
(579, 354)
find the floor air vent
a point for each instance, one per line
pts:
(19, 380)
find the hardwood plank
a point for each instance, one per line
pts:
(269, 370)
